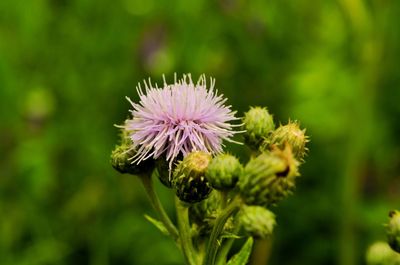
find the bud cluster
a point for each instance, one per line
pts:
(210, 185)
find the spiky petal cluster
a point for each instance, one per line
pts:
(177, 119)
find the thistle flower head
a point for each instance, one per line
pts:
(177, 119)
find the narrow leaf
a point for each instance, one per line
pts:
(157, 224)
(242, 257)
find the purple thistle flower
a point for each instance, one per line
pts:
(178, 119)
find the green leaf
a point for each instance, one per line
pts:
(243, 255)
(157, 224)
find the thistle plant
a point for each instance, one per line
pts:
(176, 133)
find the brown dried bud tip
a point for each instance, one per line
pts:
(292, 135)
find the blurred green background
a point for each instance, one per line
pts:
(66, 66)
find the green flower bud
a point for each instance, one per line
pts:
(258, 124)
(205, 210)
(203, 214)
(290, 134)
(380, 253)
(257, 221)
(269, 177)
(189, 179)
(224, 171)
(120, 159)
(393, 230)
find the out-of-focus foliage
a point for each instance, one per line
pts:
(65, 67)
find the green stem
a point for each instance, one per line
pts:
(261, 251)
(368, 57)
(213, 244)
(155, 202)
(184, 231)
(226, 247)
(201, 250)
(224, 198)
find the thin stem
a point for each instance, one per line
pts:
(261, 251)
(201, 251)
(366, 38)
(224, 198)
(213, 244)
(184, 231)
(222, 256)
(155, 202)
(226, 247)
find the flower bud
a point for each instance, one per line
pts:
(189, 179)
(258, 124)
(269, 177)
(380, 253)
(224, 171)
(205, 210)
(257, 221)
(393, 230)
(290, 134)
(120, 159)
(204, 213)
